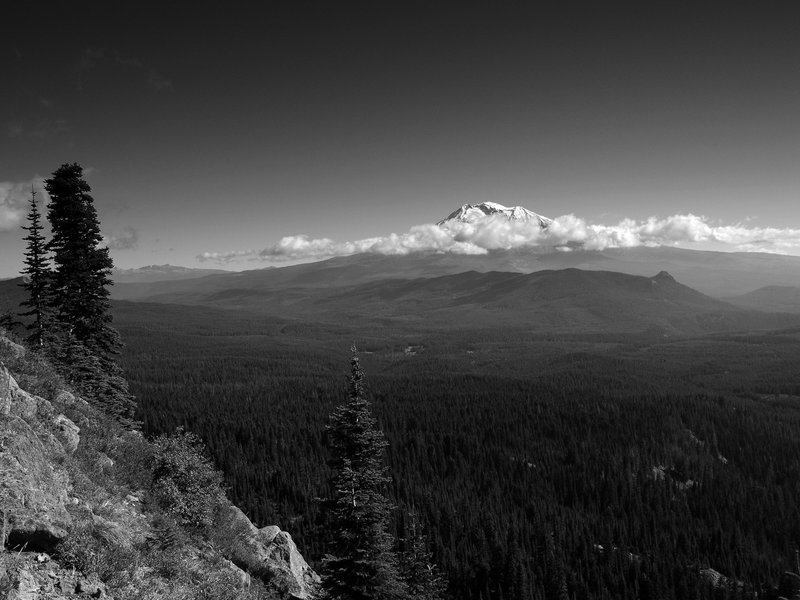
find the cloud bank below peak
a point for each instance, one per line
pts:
(497, 232)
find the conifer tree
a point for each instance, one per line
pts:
(81, 266)
(37, 271)
(417, 567)
(361, 564)
(85, 344)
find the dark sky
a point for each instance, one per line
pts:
(225, 126)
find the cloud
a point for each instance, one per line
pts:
(567, 232)
(14, 201)
(126, 239)
(226, 257)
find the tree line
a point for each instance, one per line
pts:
(66, 278)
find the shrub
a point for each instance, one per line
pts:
(32, 371)
(133, 456)
(186, 483)
(87, 551)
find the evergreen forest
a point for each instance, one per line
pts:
(540, 465)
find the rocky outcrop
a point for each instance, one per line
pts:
(52, 527)
(33, 488)
(267, 553)
(67, 433)
(11, 348)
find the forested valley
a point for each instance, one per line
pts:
(540, 465)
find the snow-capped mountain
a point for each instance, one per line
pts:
(470, 213)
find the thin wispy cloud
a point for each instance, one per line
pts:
(126, 239)
(14, 201)
(227, 257)
(567, 232)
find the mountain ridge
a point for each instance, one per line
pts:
(773, 298)
(546, 300)
(719, 274)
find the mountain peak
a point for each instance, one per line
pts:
(664, 276)
(470, 213)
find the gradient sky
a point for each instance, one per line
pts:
(215, 127)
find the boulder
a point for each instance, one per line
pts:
(24, 404)
(12, 348)
(67, 433)
(65, 399)
(19, 403)
(268, 553)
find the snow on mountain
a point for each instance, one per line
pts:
(470, 213)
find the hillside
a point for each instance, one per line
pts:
(562, 300)
(773, 298)
(84, 513)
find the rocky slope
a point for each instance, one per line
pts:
(79, 520)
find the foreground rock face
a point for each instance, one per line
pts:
(268, 553)
(42, 509)
(33, 489)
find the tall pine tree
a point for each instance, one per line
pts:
(79, 295)
(36, 275)
(81, 266)
(361, 564)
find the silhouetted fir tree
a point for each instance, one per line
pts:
(36, 275)
(417, 567)
(81, 266)
(84, 343)
(361, 563)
